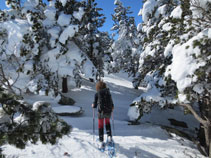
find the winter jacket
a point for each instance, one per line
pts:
(103, 101)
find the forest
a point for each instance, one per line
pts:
(47, 46)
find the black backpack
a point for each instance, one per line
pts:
(105, 102)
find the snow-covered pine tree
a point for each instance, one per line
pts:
(160, 31)
(175, 62)
(13, 26)
(192, 54)
(41, 43)
(65, 58)
(21, 122)
(90, 39)
(35, 43)
(125, 48)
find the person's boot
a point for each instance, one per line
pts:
(102, 145)
(110, 139)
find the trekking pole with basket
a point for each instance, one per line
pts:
(93, 125)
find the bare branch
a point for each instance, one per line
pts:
(190, 108)
(5, 81)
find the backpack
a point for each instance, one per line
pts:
(105, 103)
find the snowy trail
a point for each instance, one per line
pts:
(142, 141)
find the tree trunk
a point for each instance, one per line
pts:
(64, 85)
(210, 142)
(207, 139)
(210, 150)
(205, 123)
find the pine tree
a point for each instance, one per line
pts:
(90, 39)
(45, 50)
(174, 41)
(125, 48)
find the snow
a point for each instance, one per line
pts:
(139, 27)
(140, 12)
(168, 49)
(38, 104)
(177, 13)
(54, 32)
(148, 7)
(145, 140)
(198, 88)
(15, 30)
(68, 32)
(50, 13)
(64, 19)
(63, 2)
(160, 11)
(209, 33)
(78, 15)
(182, 98)
(197, 13)
(117, 2)
(67, 109)
(183, 58)
(167, 27)
(133, 113)
(65, 64)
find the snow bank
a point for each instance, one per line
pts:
(67, 109)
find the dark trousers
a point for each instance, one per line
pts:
(101, 127)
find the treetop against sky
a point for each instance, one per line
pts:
(108, 9)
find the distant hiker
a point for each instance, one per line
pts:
(104, 102)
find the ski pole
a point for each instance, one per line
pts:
(93, 125)
(113, 122)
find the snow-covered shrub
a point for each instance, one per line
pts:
(21, 122)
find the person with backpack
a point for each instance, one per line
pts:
(103, 101)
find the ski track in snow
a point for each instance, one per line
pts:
(141, 141)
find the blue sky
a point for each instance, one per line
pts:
(108, 9)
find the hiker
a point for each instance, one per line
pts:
(103, 101)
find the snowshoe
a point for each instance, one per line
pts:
(102, 147)
(111, 148)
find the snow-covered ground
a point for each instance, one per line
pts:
(141, 141)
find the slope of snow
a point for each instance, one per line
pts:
(142, 141)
